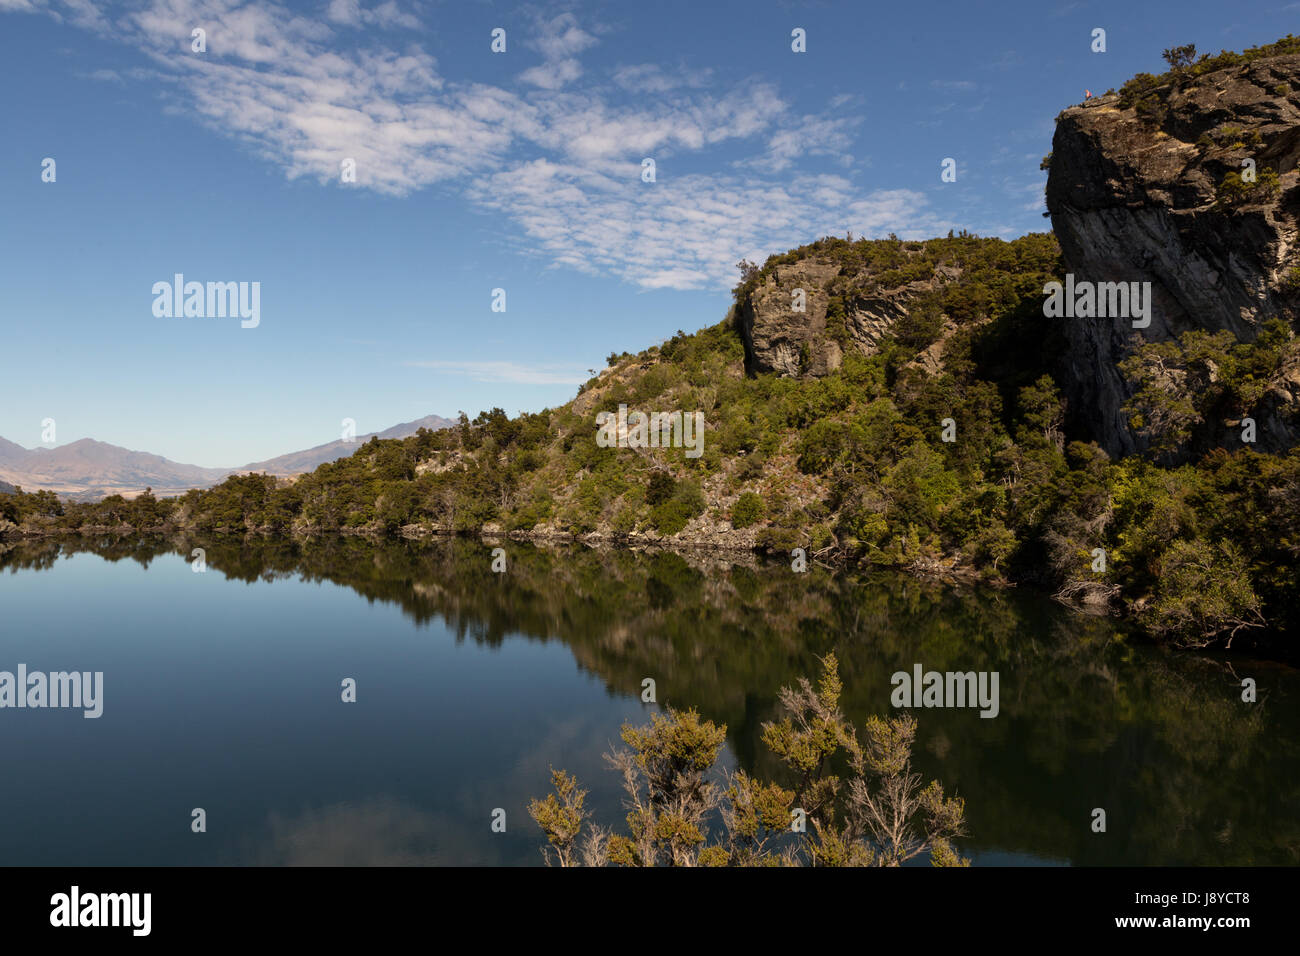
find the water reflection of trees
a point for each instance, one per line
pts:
(1186, 771)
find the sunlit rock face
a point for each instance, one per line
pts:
(1135, 194)
(779, 338)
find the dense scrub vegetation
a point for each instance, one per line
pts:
(852, 466)
(1149, 93)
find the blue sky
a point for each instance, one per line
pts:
(478, 170)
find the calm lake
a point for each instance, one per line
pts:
(222, 691)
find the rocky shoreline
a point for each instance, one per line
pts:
(951, 571)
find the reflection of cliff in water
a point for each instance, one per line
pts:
(1185, 770)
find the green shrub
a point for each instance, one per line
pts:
(821, 445)
(1236, 191)
(661, 487)
(1204, 592)
(747, 510)
(670, 517)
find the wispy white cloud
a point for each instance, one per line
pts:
(513, 372)
(689, 231)
(387, 15)
(560, 37)
(102, 76)
(654, 79)
(81, 13)
(557, 149)
(807, 136)
(559, 40)
(552, 75)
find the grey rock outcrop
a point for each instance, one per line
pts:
(1135, 194)
(779, 339)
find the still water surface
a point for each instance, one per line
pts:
(222, 691)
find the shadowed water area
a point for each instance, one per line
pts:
(222, 691)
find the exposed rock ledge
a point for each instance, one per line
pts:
(1132, 194)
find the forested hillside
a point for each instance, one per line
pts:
(850, 465)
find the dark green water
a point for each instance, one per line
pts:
(222, 691)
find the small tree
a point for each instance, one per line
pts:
(667, 794)
(1205, 594)
(1180, 57)
(748, 274)
(1236, 191)
(747, 510)
(1167, 378)
(561, 816)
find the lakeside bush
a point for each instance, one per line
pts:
(682, 811)
(747, 510)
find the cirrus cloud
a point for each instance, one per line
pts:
(556, 148)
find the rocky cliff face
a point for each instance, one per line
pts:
(780, 339)
(1137, 192)
(1187, 182)
(845, 307)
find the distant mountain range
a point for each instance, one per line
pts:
(88, 470)
(297, 462)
